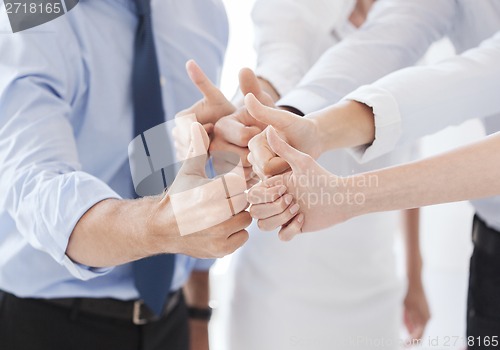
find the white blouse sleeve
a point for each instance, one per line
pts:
(288, 34)
(396, 35)
(418, 101)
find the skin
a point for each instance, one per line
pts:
(475, 169)
(347, 124)
(232, 133)
(230, 128)
(115, 232)
(306, 180)
(416, 308)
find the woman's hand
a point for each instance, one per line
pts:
(308, 198)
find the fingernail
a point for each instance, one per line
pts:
(300, 218)
(282, 190)
(295, 208)
(288, 199)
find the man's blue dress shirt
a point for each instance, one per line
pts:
(65, 125)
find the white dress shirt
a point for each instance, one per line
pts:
(290, 36)
(324, 290)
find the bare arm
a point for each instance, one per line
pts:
(411, 227)
(416, 308)
(469, 172)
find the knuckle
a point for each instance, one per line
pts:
(254, 211)
(246, 219)
(246, 134)
(255, 141)
(219, 127)
(283, 205)
(243, 238)
(262, 225)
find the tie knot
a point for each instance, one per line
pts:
(143, 7)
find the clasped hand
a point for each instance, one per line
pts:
(273, 149)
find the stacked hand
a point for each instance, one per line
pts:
(230, 128)
(300, 133)
(210, 213)
(307, 198)
(206, 111)
(241, 144)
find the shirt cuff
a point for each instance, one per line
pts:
(387, 122)
(304, 100)
(83, 272)
(81, 192)
(278, 81)
(203, 264)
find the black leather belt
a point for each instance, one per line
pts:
(485, 238)
(134, 311)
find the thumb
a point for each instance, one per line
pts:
(270, 116)
(295, 158)
(200, 79)
(198, 152)
(249, 84)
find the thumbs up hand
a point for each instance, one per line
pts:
(307, 198)
(210, 213)
(232, 133)
(301, 133)
(207, 111)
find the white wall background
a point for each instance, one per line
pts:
(445, 229)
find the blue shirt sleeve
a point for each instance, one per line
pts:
(203, 264)
(42, 185)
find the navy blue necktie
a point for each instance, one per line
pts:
(153, 276)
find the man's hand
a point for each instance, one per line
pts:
(206, 111)
(300, 133)
(232, 133)
(199, 217)
(209, 214)
(318, 199)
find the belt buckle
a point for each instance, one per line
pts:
(136, 317)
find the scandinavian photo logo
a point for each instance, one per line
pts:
(26, 14)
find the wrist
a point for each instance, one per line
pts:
(345, 124)
(200, 314)
(414, 271)
(356, 194)
(415, 283)
(160, 233)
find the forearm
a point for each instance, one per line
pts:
(470, 172)
(411, 227)
(344, 125)
(115, 232)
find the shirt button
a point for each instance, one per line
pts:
(163, 81)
